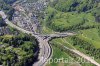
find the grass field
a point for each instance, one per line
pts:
(89, 35)
(62, 21)
(58, 53)
(92, 36)
(59, 19)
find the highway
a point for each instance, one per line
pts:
(45, 49)
(45, 52)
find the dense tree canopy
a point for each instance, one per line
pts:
(17, 50)
(75, 5)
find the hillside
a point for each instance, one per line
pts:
(44, 19)
(80, 16)
(63, 15)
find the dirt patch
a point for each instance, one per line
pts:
(61, 64)
(74, 64)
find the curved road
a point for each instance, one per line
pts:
(45, 49)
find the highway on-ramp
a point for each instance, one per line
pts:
(45, 49)
(45, 52)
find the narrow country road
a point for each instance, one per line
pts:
(86, 57)
(83, 56)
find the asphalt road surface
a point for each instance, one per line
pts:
(45, 52)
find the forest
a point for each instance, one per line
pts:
(18, 50)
